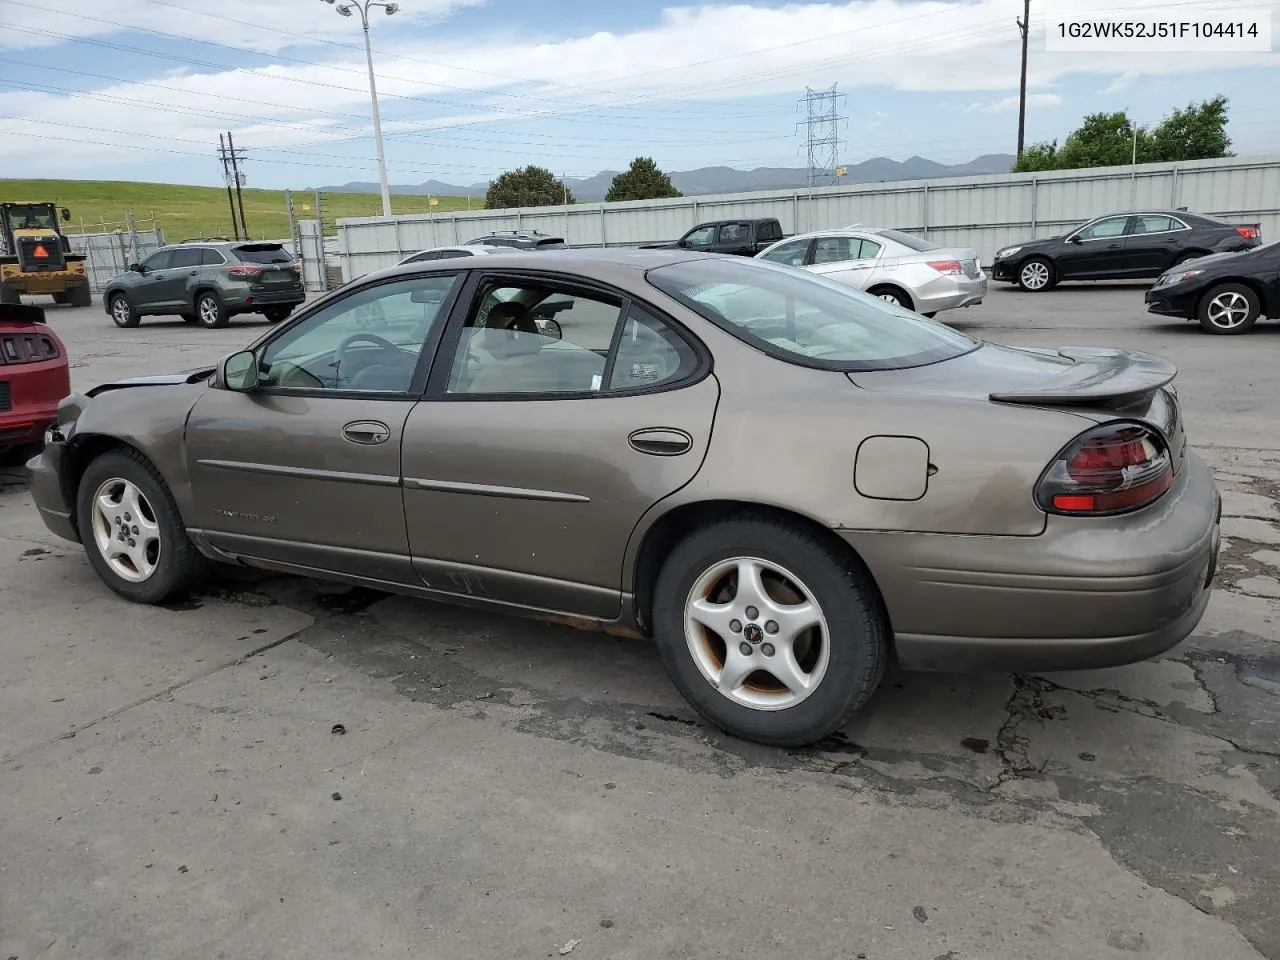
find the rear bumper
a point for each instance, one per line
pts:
(950, 293)
(1171, 302)
(1084, 594)
(44, 475)
(29, 398)
(251, 300)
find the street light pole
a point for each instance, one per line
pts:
(362, 7)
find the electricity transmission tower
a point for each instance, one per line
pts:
(822, 134)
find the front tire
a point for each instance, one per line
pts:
(210, 312)
(770, 633)
(122, 312)
(1036, 275)
(132, 532)
(1228, 308)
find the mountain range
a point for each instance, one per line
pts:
(705, 181)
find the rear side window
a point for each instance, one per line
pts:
(649, 353)
(451, 254)
(211, 258)
(423, 257)
(263, 253)
(554, 243)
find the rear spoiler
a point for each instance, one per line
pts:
(20, 313)
(1097, 377)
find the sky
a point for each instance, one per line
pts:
(141, 89)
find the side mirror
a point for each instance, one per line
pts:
(66, 215)
(1075, 238)
(137, 268)
(240, 371)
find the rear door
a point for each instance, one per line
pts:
(184, 268)
(1154, 241)
(532, 458)
(850, 260)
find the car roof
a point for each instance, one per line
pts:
(587, 260)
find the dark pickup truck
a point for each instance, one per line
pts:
(745, 238)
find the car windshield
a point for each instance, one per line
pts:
(807, 319)
(263, 253)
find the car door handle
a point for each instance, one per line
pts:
(661, 441)
(1113, 246)
(367, 432)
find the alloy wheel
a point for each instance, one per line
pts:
(120, 311)
(1035, 275)
(208, 311)
(125, 530)
(756, 633)
(1228, 310)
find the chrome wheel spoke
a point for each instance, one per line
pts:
(751, 591)
(125, 530)
(794, 621)
(735, 671)
(714, 616)
(789, 672)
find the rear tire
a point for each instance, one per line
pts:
(210, 312)
(62, 298)
(278, 314)
(1036, 275)
(1186, 257)
(834, 664)
(892, 295)
(8, 296)
(122, 311)
(1228, 309)
(80, 296)
(132, 532)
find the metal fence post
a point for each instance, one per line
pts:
(924, 210)
(1035, 198)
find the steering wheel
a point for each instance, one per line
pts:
(380, 342)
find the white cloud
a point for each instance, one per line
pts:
(714, 52)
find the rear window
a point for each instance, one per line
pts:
(806, 319)
(552, 243)
(907, 240)
(263, 253)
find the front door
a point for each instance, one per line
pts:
(148, 290)
(305, 469)
(533, 458)
(1099, 252)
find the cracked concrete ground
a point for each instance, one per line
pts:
(172, 786)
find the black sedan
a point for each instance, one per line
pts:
(1121, 246)
(1226, 292)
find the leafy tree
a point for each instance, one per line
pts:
(527, 187)
(642, 181)
(1197, 132)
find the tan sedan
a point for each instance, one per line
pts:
(784, 482)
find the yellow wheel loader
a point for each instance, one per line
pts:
(35, 257)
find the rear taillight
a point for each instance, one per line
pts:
(1249, 233)
(946, 266)
(297, 268)
(237, 270)
(1110, 469)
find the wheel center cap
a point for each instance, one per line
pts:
(752, 633)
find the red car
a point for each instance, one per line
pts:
(34, 376)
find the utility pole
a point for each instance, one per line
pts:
(226, 177)
(1024, 27)
(822, 134)
(236, 157)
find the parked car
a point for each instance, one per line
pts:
(35, 376)
(448, 253)
(782, 481)
(889, 264)
(1121, 246)
(744, 238)
(1226, 292)
(519, 240)
(208, 284)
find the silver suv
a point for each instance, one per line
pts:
(208, 283)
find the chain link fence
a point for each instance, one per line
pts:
(107, 255)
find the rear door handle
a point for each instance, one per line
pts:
(661, 441)
(367, 432)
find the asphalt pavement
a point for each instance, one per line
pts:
(173, 784)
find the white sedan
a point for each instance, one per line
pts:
(889, 264)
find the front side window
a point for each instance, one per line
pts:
(807, 319)
(1111, 227)
(792, 253)
(159, 260)
(701, 237)
(368, 342)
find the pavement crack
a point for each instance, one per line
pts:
(159, 694)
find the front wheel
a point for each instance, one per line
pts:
(132, 532)
(769, 632)
(1036, 275)
(122, 312)
(1228, 308)
(210, 312)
